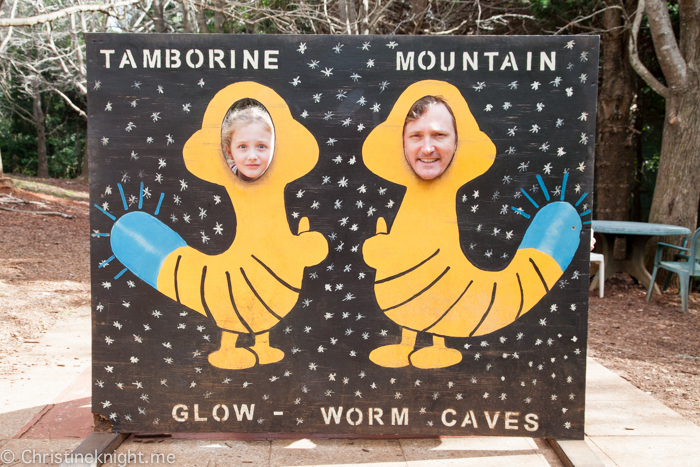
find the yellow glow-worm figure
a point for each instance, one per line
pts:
(250, 287)
(424, 283)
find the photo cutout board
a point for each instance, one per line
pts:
(361, 235)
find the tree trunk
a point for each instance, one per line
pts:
(84, 172)
(39, 121)
(219, 17)
(2, 175)
(348, 16)
(418, 9)
(615, 149)
(202, 22)
(158, 18)
(186, 24)
(638, 173)
(677, 188)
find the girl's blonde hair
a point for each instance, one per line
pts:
(242, 113)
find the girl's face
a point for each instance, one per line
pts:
(250, 150)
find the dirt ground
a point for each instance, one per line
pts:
(45, 274)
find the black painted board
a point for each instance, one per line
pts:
(151, 366)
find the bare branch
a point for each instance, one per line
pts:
(450, 31)
(9, 30)
(582, 19)
(667, 51)
(636, 63)
(80, 111)
(39, 213)
(325, 10)
(48, 17)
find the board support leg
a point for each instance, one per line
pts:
(574, 453)
(94, 448)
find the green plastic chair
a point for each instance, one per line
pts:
(682, 255)
(684, 269)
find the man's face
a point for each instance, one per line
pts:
(429, 142)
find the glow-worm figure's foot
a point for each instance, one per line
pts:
(436, 356)
(265, 353)
(395, 355)
(231, 357)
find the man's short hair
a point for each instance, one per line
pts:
(421, 106)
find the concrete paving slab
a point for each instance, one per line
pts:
(607, 462)
(37, 452)
(69, 416)
(72, 419)
(650, 451)
(477, 451)
(11, 422)
(520, 460)
(547, 452)
(621, 418)
(604, 385)
(194, 453)
(316, 452)
(59, 357)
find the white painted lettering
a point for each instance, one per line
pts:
(200, 58)
(215, 412)
(197, 418)
(151, 60)
(216, 56)
(467, 59)
(420, 60)
(270, 61)
(512, 423)
(531, 422)
(334, 413)
(399, 419)
(127, 59)
(470, 419)
(182, 416)
(252, 59)
(107, 54)
(529, 61)
(172, 58)
(248, 412)
(233, 59)
(509, 62)
(444, 417)
(375, 414)
(348, 416)
(442, 62)
(492, 423)
(491, 55)
(549, 61)
(404, 63)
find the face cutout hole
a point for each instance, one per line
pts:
(429, 137)
(248, 139)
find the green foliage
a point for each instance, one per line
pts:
(65, 139)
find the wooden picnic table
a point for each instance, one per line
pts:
(636, 236)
